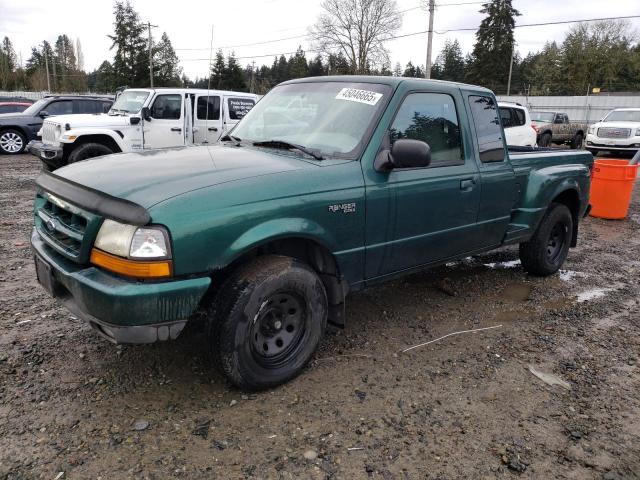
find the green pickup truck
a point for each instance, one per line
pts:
(327, 186)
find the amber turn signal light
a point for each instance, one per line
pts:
(130, 268)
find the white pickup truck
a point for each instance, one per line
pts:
(141, 119)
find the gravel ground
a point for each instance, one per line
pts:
(468, 406)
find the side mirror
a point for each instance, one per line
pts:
(43, 114)
(134, 120)
(405, 153)
(146, 114)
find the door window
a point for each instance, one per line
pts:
(518, 116)
(167, 107)
(85, 106)
(212, 104)
(239, 107)
(506, 115)
(487, 125)
(431, 118)
(59, 107)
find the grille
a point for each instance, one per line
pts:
(609, 132)
(49, 132)
(64, 227)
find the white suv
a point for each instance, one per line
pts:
(619, 131)
(516, 122)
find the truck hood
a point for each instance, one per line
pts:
(4, 117)
(147, 178)
(97, 120)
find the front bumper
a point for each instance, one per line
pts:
(121, 310)
(630, 144)
(51, 155)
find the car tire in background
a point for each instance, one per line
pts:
(12, 142)
(266, 321)
(545, 140)
(547, 250)
(593, 151)
(87, 151)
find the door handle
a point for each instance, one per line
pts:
(467, 184)
(176, 129)
(213, 129)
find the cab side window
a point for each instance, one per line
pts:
(518, 116)
(210, 103)
(167, 107)
(59, 107)
(487, 125)
(506, 115)
(433, 119)
(85, 106)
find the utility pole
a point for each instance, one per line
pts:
(253, 75)
(432, 6)
(46, 64)
(149, 26)
(513, 51)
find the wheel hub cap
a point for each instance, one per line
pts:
(11, 142)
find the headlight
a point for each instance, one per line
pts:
(638, 132)
(591, 130)
(139, 252)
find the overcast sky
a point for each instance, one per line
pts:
(240, 22)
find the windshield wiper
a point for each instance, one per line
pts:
(288, 146)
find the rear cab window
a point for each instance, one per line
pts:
(484, 112)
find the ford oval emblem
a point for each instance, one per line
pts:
(50, 225)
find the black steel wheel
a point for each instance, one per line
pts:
(266, 321)
(548, 248)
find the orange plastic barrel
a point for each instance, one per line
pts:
(611, 187)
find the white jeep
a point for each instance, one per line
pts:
(141, 119)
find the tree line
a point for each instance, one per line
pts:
(604, 54)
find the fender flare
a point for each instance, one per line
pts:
(80, 133)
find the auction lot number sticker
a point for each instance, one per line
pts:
(360, 96)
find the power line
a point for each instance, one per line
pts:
(395, 37)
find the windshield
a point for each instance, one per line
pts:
(331, 118)
(35, 108)
(129, 101)
(623, 116)
(545, 117)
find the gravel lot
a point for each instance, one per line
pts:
(74, 406)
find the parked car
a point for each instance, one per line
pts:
(141, 119)
(619, 131)
(13, 107)
(554, 127)
(516, 121)
(363, 179)
(17, 129)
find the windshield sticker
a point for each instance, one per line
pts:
(360, 96)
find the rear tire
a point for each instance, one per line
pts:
(593, 151)
(547, 250)
(577, 141)
(12, 142)
(87, 151)
(266, 322)
(545, 140)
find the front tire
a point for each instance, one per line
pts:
(266, 322)
(547, 250)
(87, 151)
(577, 142)
(12, 142)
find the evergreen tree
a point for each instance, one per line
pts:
(451, 62)
(338, 65)
(234, 79)
(218, 71)
(166, 65)
(131, 60)
(494, 45)
(8, 63)
(298, 67)
(316, 67)
(409, 71)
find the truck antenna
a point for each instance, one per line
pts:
(206, 116)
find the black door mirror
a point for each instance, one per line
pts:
(43, 114)
(146, 114)
(407, 153)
